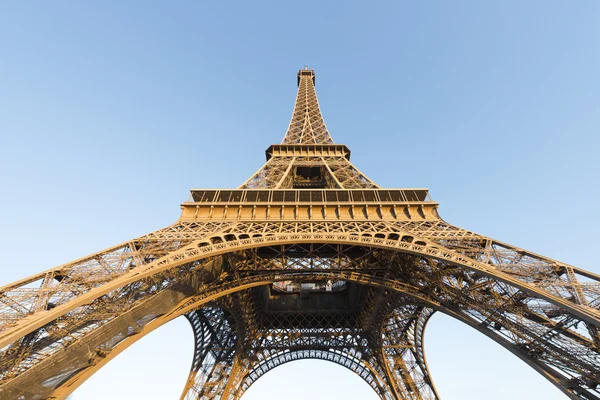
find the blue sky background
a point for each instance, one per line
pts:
(111, 111)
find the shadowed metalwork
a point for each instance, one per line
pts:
(307, 259)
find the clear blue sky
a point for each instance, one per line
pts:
(111, 111)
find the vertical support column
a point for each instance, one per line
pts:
(402, 355)
(216, 339)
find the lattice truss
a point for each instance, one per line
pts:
(359, 339)
(543, 311)
(374, 283)
(338, 173)
(307, 125)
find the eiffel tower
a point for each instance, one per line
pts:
(308, 259)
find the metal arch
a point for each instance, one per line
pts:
(383, 380)
(201, 249)
(78, 376)
(269, 348)
(362, 369)
(186, 304)
(361, 352)
(555, 378)
(525, 351)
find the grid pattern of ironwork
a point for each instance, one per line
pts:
(254, 271)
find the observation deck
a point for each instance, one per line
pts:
(309, 204)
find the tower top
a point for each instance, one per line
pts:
(306, 72)
(307, 158)
(307, 125)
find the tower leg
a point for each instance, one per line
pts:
(214, 356)
(401, 353)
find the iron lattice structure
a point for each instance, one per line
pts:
(307, 259)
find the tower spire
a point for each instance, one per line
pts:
(307, 125)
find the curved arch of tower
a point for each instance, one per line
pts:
(307, 259)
